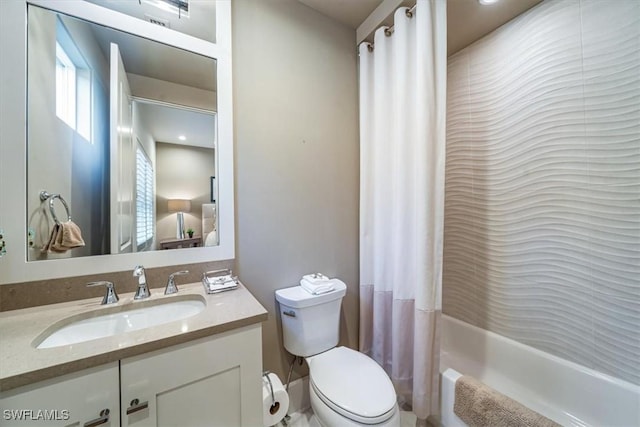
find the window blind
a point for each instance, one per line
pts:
(144, 200)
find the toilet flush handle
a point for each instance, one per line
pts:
(289, 313)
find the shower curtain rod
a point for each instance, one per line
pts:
(409, 12)
(389, 30)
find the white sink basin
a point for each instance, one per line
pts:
(117, 321)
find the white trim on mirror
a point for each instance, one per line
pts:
(13, 202)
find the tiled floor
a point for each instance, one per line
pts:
(303, 419)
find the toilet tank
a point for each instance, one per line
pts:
(310, 323)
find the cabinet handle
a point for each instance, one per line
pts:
(136, 406)
(104, 418)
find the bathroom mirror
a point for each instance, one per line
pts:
(56, 159)
(196, 18)
(119, 126)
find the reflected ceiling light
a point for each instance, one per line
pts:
(182, 138)
(487, 2)
(179, 7)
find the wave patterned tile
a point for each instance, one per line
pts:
(542, 205)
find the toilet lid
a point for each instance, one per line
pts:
(353, 385)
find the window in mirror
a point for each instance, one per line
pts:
(65, 87)
(149, 111)
(73, 84)
(144, 200)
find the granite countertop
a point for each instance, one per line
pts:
(21, 363)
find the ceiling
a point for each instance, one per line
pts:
(159, 61)
(167, 124)
(349, 12)
(467, 20)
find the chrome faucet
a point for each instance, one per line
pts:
(171, 283)
(143, 289)
(111, 297)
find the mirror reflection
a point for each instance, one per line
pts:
(194, 17)
(122, 137)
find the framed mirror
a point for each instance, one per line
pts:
(129, 123)
(119, 129)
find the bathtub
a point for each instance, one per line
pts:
(565, 392)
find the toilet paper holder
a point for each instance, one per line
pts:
(274, 405)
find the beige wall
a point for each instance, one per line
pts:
(296, 136)
(182, 172)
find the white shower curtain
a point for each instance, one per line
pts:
(402, 158)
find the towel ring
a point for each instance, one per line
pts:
(44, 195)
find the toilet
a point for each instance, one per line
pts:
(346, 387)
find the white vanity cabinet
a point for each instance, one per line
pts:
(77, 399)
(209, 382)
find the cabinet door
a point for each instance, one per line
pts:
(70, 400)
(214, 381)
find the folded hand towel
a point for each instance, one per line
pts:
(52, 238)
(64, 236)
(68, 237)
(71, 235)
(315, 277)
(214, 289)
(213, 285)
(318, 287)
(57, 242)
(218, 280)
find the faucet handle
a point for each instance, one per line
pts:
(143, 289)
(138, 271)
(172, 288)
(111, 297)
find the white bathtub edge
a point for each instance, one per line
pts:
(566, 392)
(448, 396)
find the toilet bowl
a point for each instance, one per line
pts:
(346, 387)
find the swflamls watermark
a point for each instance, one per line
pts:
(36, 414)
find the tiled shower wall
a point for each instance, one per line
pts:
(542, 229)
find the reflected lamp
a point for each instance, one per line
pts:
(179, 206)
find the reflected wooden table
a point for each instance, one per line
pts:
(188, 242)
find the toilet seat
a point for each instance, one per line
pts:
(352, 385)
